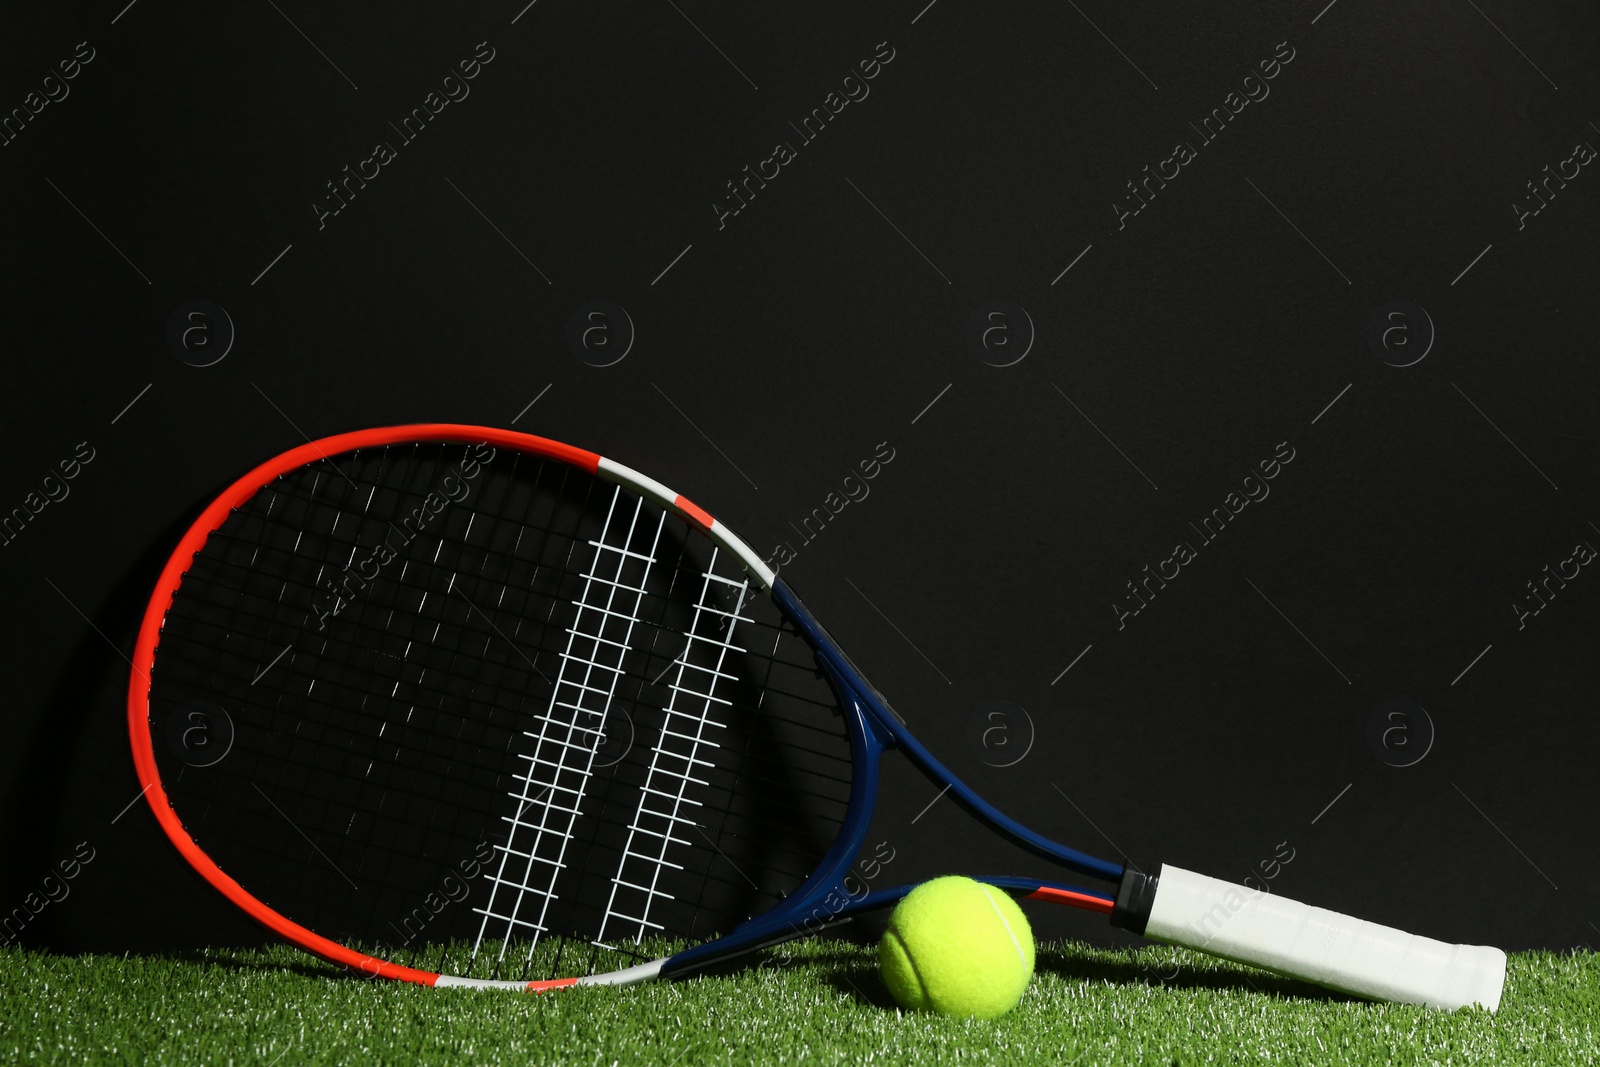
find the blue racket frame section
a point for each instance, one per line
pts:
(873, 730)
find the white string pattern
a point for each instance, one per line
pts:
(573, 725)
(673, 762)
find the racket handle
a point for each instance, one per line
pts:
(1349, 955)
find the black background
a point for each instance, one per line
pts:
(1224, 724)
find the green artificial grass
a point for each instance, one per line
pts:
(809, 1002)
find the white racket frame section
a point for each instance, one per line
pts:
(654, 490)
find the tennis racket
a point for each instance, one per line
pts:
(468, 707)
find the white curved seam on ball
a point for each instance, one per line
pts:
(1021, 956)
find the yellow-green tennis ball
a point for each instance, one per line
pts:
(958, 947)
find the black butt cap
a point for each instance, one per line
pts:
(1136, 895)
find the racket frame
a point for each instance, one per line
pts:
(149, 638)
(875, 729)
(871, 725)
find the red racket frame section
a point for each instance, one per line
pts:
(1071, 899)
(144, 653)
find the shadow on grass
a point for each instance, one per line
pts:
(247, 960)
(861, 984)
(1073, 962)
(265, 961)
(853, 972)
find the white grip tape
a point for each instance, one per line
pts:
(1321, 946)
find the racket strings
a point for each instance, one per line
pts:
(472, 617)
(382, 753)
(654, 826)
(583, 722)
(468, 621)
(367, 632)
(758, 769)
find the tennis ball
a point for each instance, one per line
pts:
(958, 947)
